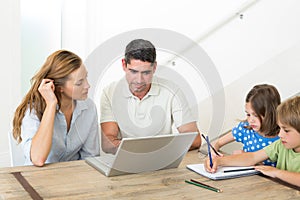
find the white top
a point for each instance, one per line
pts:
(163, 106)
(80, 142)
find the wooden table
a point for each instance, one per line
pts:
(77, 180)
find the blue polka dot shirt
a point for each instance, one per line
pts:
(252, 140)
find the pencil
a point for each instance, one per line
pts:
(210, 145)
(239, 170)
(209, 153)
(203, 186)
(193, 180)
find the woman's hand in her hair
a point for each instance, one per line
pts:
(46, 89)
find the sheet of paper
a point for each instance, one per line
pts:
(220, 174)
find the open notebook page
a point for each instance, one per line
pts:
(220, 174)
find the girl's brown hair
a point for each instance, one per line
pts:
(264, 100)
(288, 113)
(57, 67)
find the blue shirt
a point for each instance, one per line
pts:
(80, 142)
(252, 140)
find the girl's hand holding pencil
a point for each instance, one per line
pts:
(211, 165)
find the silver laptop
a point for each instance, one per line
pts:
(136, 155)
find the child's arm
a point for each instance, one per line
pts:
(289, 177)
(244, 159)
(225, 139)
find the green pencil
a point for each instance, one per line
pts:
(204, 186)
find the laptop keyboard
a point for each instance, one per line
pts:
(107, 159)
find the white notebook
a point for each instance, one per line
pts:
(223, 172)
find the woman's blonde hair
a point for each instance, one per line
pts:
(57, 67)
(288, 113)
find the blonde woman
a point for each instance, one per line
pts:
(56, 121)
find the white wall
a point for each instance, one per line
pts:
(40, 35)
(92, 22)
(267, 29)
(10, 53)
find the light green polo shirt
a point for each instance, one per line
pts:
(163, 106)
(287, 159)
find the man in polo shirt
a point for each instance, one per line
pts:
(141, 104)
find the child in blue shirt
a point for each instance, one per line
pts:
(259, 129)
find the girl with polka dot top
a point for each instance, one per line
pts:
(260, 127)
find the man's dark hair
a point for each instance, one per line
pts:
(140, 49)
